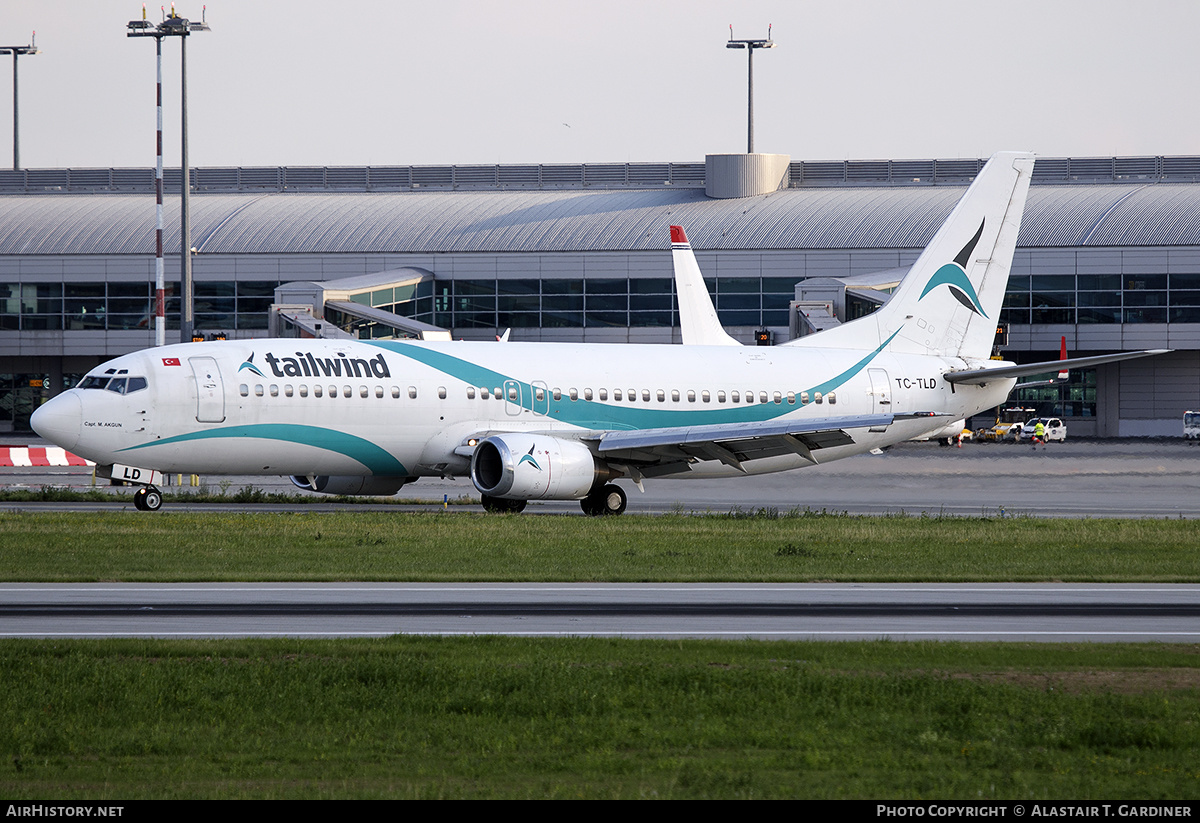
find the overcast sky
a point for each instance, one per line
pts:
(294, 82)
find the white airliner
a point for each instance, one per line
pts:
(559, 421)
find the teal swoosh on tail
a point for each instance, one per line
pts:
(953, 276)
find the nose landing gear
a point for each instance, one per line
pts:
(147, 499)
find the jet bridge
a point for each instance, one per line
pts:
(384, 305)
(824, 302)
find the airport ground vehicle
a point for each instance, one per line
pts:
(1008, 425)
(1056, 429)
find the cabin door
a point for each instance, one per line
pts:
(881, 395)
(210, 390)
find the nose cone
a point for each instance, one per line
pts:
(59, 420)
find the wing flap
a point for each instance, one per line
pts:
(734, 444)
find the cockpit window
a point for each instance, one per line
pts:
(120, 385)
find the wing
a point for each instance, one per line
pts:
(657, 452)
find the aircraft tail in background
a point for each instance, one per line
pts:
(697, 318)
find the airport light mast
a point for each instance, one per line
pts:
(750, 46)
(172, 26)
(16, 52)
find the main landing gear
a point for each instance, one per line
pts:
(606, 500)
(147, 499)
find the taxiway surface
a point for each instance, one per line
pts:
(968, 612)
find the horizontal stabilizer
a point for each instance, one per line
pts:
(987, 375)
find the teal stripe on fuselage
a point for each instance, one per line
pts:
(590, 414)
(376, 459)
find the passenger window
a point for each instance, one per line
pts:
(485, 393)
(258, 390)
(378, 392)
(831, 397)
(574, 394)
(662, 396)
(316, 391)
(512, 394)
(244, 390)
(303, 390)
(496, 393)
(632, 395)
(616, 394)
(470, 392)
(803, 398)
(441, 392)
(778, 398)
(363, 391)
(540, 394)
(735, 397)
(287, 390)
(412, 392)
(762, 397)
(675, 395)
(691, 396)
(396, 392)
(817, 397)
(705, 396)
(604, 394)
(645, 395)
(791, 398)
(587, 394)
(347, 391)
(749, 397)
(274, 390)
(720, 397)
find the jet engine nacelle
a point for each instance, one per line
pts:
(370, 485)
(535, 467)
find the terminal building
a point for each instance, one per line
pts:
(1108, 257)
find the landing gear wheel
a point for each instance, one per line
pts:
(147, 499)
(498, 505)
(609, 500)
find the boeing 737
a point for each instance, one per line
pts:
(559, 421)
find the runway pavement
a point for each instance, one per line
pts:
(966, 612)
(1095, 478)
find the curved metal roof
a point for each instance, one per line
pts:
(584, 220)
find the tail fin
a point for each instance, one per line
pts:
(949, 302)
(697, 317)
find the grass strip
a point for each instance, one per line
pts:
(464, 546)
(414, 717)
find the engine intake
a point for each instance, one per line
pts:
(535, 467)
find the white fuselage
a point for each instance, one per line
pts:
(318, 407)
